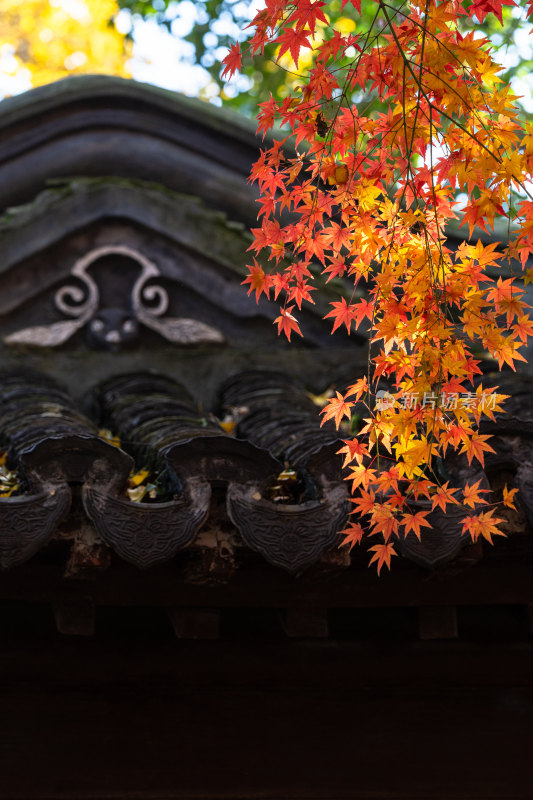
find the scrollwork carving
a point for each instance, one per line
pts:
(45, 335)
(147, 305)
(180, 330)
(150, 294)
(75, 302)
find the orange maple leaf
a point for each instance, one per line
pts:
(443, 496)
(364, 504)
(508, 495)
(382, 554)
(354, 450)
(384, 521)
(484, 525)
(413, 522)
(475, 447)
(259, 281)
(523, 328)
(471, 494)
(389, 479)
(336, 409)
(507, 353)
(352, 534)
(358, 388)
(361, 476)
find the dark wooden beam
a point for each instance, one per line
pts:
(437, 622)
(256, 585)
(305, 622)
(74, 614)
(141, 720)
(195, 623)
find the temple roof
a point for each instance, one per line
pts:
(168, 494)
(135, 368)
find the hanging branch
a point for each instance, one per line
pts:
(371, 193)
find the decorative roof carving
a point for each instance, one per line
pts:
(119, 258)
(290, 537)
(114, 327)
(28, 522)
(146, 535)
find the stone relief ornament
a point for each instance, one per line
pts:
(147, 534)
(292, 537)
(28, 522)
(114, 328)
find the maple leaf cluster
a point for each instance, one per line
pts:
(367, 194)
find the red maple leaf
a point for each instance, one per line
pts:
(293, 40)
(480, 8)
(342, 313)
(232, 62)
(259, 281)
(287, 323)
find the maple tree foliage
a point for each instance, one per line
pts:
(214, 25)
(367, 194)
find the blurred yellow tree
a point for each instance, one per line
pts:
(43, 40)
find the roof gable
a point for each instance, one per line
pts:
(100, 125)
